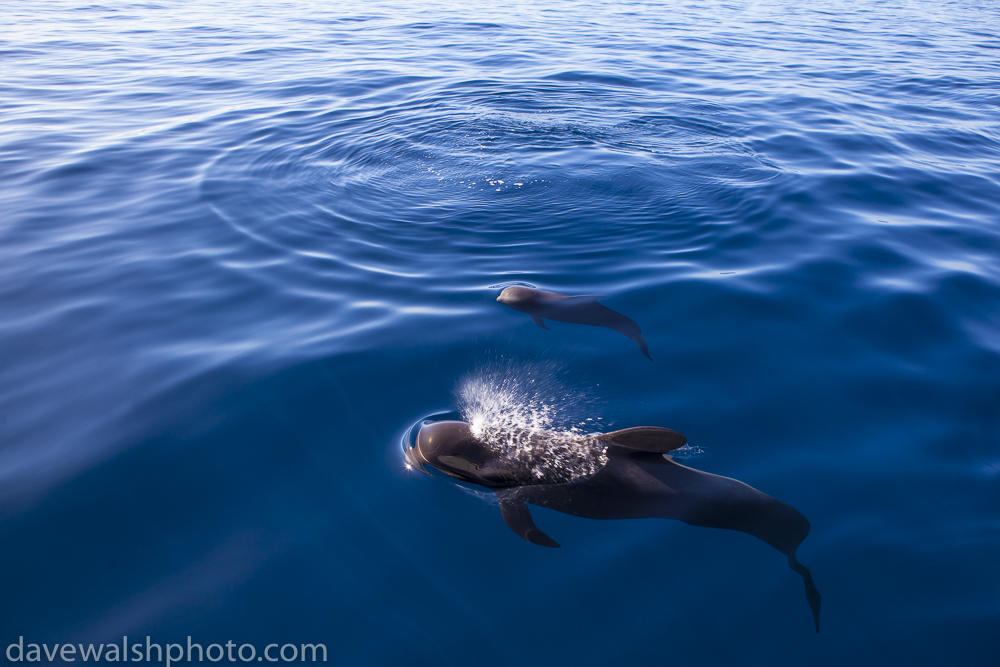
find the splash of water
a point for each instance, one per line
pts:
(530, 419)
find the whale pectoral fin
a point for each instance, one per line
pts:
(590, 297)
(646, 439)
(537, 319)
(517, 516)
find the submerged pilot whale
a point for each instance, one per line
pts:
(542, 305)
(625, 474)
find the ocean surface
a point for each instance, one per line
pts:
(245, 246)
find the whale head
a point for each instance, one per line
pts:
(516, 296)
(450, 446)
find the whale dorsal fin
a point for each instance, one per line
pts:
(645, 439)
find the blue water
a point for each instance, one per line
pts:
(244, 246)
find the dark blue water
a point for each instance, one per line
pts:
(245, 245)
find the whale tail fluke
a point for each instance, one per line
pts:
(812, 593)
(641, 342)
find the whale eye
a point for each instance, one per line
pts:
(458, 463)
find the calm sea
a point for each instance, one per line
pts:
(244, 246)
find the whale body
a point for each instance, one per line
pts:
(635, 479)
(584, 309)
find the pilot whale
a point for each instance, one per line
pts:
(625, 474)
(584, 309)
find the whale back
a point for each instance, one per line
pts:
(645, 484)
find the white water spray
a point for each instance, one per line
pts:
(532, 420)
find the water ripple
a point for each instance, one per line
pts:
(800, 204)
